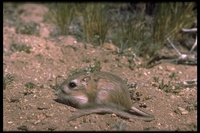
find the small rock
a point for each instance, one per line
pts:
(172, 97)
(182, 111)
(170, 68)
(110, 46)
(52, 127)
(143, 105)
(10, 122)
(23, 128)
(113, 115)
(92, 119)
(15, 98)
(43, 106)
(48, 115)
(145, 73)
(195, 105)
(160, 67)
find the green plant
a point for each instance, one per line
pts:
(156, 79)
(96, 67)
(77, 30)
(133, 29)
(95, 22)
(30, 85)
(172, 76)
(119, 126)
(9, 13)
(8, 81)
(144, 32)
(61, 14)
(29, 88)
(20, 47)
(162, 85)
(170, 86)
(93, 67)
(57, 82)
(170, 17)
(30, 28)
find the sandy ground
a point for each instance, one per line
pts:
(34, 108)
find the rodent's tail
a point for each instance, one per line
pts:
(100, 109)
(140, 112)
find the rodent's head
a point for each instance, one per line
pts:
(74, 90)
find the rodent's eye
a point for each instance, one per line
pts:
(72, 85)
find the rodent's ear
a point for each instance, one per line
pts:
(87, 79)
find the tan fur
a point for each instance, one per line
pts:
(99, 92)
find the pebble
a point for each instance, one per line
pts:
(92, 120)
(15, 98)
(110, 46)
(42, 107)
(145, 73)
(195, 105)
(172, 97)
(23, 128)
(182, 111)
(10, 122)
(113, 115)
(52, 127)
(170, 68)
(160, 67)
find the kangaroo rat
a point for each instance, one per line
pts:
(99, 92)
